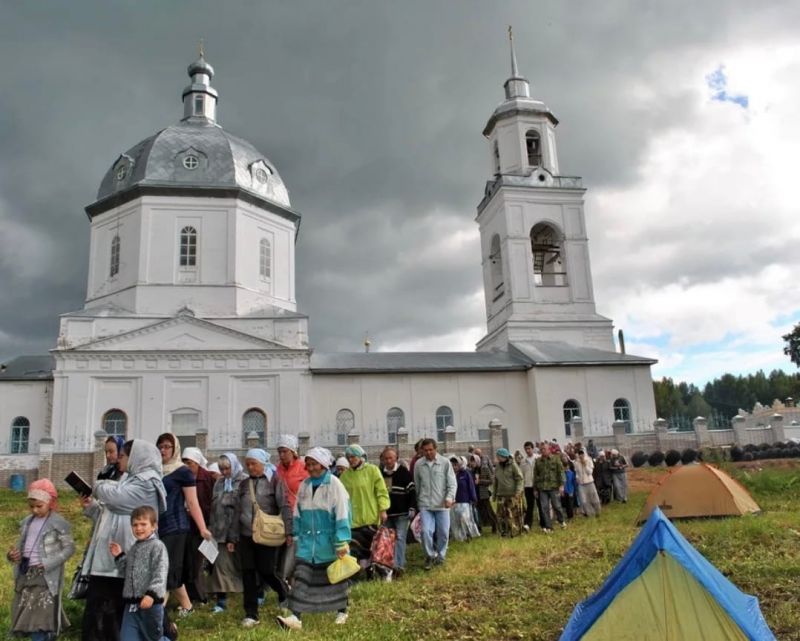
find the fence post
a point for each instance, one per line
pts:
(620, 437)
(99, 451)
(495, 436)
(700, 425)
(201, 440)
(353, 437)
(303, 442)
(660, 427)
(46, 447)
(449, 439)
(577, 429)
(778, 434)
(253, 440)
(739, 430)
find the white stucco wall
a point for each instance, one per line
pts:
(595, 388)
(24, 398)
(474, 398)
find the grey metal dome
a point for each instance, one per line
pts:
(195, 153)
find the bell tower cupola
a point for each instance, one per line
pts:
(537, 277)
(199, 97)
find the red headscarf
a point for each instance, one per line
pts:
(44, 490)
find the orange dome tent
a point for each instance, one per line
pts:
(698, 490)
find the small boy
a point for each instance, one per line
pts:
(145, 567)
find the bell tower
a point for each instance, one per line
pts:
(536, 270)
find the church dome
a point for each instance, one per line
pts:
(195, 154)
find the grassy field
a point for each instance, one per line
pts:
(524, 588)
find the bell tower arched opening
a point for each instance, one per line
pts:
(549, 266)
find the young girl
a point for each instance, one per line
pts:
(45, 544)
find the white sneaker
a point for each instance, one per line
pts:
(387, 577)
(527, 528)
(291, 622)
(247, 622)
(341, 618)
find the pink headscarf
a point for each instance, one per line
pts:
(44, 490)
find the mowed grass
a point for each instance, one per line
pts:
(523, 588)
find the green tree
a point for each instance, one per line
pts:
(792, 347)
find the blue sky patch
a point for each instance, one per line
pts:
(717, 82)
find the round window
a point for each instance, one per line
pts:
(191, 162)
(122, 171)
(261, 175)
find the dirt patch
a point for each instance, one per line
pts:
(642, 479)
(771, 464)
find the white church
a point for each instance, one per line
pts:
(190, 322)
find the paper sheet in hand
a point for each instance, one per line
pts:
(209, 549)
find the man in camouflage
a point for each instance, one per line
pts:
(548, 482)
(507, 490)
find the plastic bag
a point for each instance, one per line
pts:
(382, 549)
(342, 569)
(416, 527)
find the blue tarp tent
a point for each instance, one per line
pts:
(664, 589)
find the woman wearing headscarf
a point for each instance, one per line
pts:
(462, 525)
(193, 577)
(322, 529)
(291, 470)
(112, 448)
(259, 560)
(110, 506)
(173, 523)
(226, 574)
(369, 499)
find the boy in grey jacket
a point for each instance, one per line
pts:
(145, 566)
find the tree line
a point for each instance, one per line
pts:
(723, 396)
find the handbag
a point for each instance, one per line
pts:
(382, 549)
(80, 584)
(342, 569)
(268, 529)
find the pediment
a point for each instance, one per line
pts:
(183, 333)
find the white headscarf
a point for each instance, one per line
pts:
(321, 456)
(289, 441)
(194, 454)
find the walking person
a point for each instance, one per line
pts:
(507, 490)
(549, 483)
(584, 478)
(568, 495)
(45, 543)
(369, 500)
(402, 504)
(322, 533)
(435, 482)
(291, 471)
(462, 525)
(110, 507)
(145, 568)
(226, 573)
(619, 478)
(527, 480)
(485, 482)
(260, 560)
(193, 576)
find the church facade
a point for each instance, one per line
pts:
(190, 322)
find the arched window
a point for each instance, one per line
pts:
(496, 260)
(572, 409)
(20, 434)
(444, 419)
(345, 422)
(115, 423)
(622, 412)
(188, 255)
(265, 258)
(533, 146)
(549, 267)
(198, 105)
(395, 419)
(254, 420)
(496, 157)
(115, 245)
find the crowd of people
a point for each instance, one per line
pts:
(153, 505)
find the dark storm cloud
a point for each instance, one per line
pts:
(372, 113)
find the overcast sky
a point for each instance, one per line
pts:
(681, 117)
